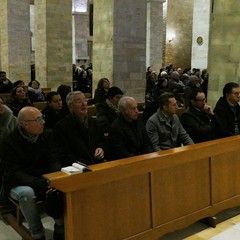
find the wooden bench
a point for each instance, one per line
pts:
(5, 96)
(15, 219)
(147, 196)
(40, 105)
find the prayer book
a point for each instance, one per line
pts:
(76, 167)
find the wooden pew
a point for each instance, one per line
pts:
(147, 196)
(40, 105)
(5, 96)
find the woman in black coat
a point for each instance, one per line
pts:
(54, 111)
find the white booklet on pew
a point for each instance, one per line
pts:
(76, 167)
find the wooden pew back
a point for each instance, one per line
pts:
(146, 196)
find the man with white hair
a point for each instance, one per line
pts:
(127, 135)
(26, 154)
(78, 136)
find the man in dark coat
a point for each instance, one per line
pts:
(127, 135)
(78, 137)
(26, 154)
(198, 118)
(227, 111)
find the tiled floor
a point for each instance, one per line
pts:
(8, 233)
(228, 228)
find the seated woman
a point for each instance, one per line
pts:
(63, 90)
(54, 110)
(35, 92)
(107, 111)
(100, 94)
(7, 121)
(18, 100)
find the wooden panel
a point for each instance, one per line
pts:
(5, 96)
(178, 191)
(225, 176)
(91, 110)
(40, 105)
(115, 210)
(118, 200)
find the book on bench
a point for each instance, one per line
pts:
(76, 167)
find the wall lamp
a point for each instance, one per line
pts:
(171, 38)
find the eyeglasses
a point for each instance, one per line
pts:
(37, 120)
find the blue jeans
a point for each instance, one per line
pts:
(27, 201)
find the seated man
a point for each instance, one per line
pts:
(227, 111)
(127, 135)
(26, 155)
(198, 118)
(78, 137)
(164, 128)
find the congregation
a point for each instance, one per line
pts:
(34, 142)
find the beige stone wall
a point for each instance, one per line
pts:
(15, 39)
(53, 42)
(155, 30)
(103, 40)
(224, 48)
(179, 22)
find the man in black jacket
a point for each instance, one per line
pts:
(227, 111)
(78, 137)
(127, 135)
(26, 154)
(198, 118)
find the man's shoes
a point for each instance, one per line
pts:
(58, 236)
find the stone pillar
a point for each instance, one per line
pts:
(119, 45)
(155, 33)
(15, 39)
(81, 36)
(224, 47)
(179, 33)
(200, 34)
(53, 42)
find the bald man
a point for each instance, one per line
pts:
(26, 155)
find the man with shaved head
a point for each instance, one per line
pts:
(26, 154)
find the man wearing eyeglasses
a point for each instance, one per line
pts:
(227, 111)
(26, 154)
(198, 118)
(78, 136)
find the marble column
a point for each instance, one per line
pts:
(224, 47)
(53, 42)
(119, 45)
(155, 34)
(15, 39)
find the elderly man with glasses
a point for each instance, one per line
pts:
(26, 154)
(78, 137)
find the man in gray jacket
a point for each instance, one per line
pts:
(164, 128)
